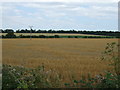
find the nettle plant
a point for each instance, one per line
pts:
(111, 54)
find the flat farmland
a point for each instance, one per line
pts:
(50, 34)
(67, 56)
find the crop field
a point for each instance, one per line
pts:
(50, 34)
(67, 56)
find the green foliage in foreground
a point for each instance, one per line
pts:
(108, 80)
(112, 54)
(21, 77)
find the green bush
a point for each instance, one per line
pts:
(21, 77)
(10, 35)
(108, 80)
(111, 54)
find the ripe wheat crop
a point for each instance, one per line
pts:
(70, 57)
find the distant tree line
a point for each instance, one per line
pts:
(106, 33)
(55, 36)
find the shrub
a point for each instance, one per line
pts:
(56, 36)
(108, 80)
(42, 36)
(10, 35)
(21, 77)
(111, 54)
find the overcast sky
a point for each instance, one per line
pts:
(60, 14)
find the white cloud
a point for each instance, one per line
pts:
(54, 14)
(0, 16)
(81, 1)
(96, 11)
(62, 9)
(45, 5)
(106, 8)
(59, 14)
